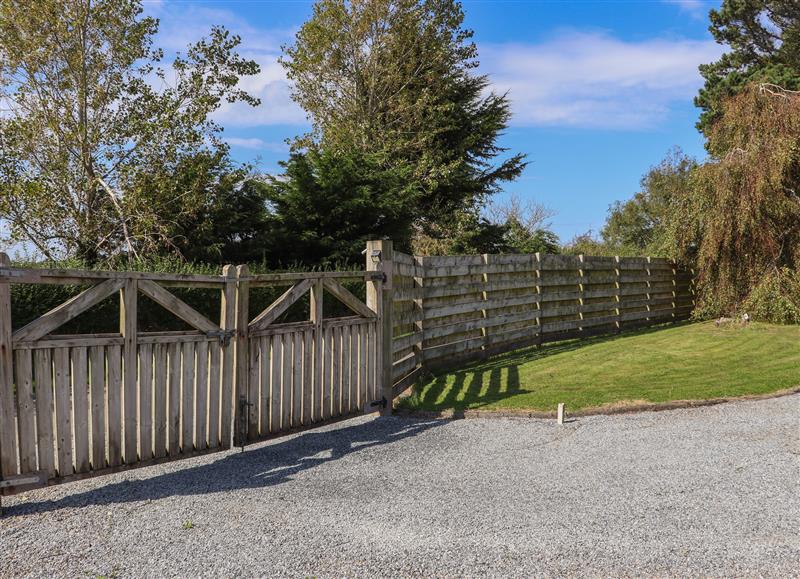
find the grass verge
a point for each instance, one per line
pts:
(696, 361)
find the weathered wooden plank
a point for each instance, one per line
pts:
(174, 399)
(80, 404)
(327, 372)
(177, 306)
(145, 417)
(201, 398)
(286, 381)
(160, 398)
(297, 376)
(336, 378)
(265, 400)
(276, 360)
(73, 276)
(63, 394)
(228, 324)
(242, 381)
(362, 367)
(8, 434)
(317, 315)
(347, 366)
(43, 368)
(128, 328)
(253, 381)
(280, 305)
(308, 376)
(214, 386)
(114, 416)
(342, 294)
(371, 364)
(187, 397)
(97, 396)
(63, 313)
(26, 411)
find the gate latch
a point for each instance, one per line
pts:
(244, 411)
(223, 335)
(382, 403)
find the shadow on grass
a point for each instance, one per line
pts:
(485, 382)
(258, 467)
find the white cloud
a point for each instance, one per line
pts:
(696, 8)
(593, 80)
(257, 144)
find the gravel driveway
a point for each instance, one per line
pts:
(706, 491)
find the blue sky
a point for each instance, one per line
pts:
(600, 89)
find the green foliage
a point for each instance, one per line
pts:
(764, 41)
(394, 78)
(742, 219)
(327, 204)
(587, 244)
(694, 362)
(641, 225)
(776, 298)
(86, 129)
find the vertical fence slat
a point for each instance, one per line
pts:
(297, 378)
(128, 316)
(114, 412)
(254, 397)
(362, 358)
(43, 366)
(201, 402)
(160, 371)
(336, 378)
(63, 411)
(286, 382)
(80, 403)
(97, 395)
(347, 366)
(371, 392)
(308, 376)
(145, 402)
(213, 394)
(327, 373)
(228, 324)
(276, 358)
(242, 350)
(174, 414)
(187, 398)
(317, 316)
(265, 401)
(8, 435)
(25, 411)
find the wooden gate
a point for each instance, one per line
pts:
(80, 405)
(302, 373)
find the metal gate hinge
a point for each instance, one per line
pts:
(223, 335)
(382, 403)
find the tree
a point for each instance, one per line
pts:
(326, 205)
(395, 78)
(764, 41)
(641, 225)
(90, 110)
(741, 223)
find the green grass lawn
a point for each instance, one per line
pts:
(682, 362)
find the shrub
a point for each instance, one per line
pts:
(776, 298)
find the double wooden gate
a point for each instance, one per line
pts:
(79, 405)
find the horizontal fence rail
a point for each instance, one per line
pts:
(78, 405)
(451, 309)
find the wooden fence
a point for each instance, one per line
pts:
(448, 310)
(73, 406)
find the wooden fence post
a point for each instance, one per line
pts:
(243, 422)
(127, 326)
(228, 325)
(316, 317)
(379, 299)
(617, 295)
(8, 435)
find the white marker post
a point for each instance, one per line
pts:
(561, 413)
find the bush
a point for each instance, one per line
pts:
(776, 298)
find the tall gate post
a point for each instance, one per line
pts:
(228, 325)
(8, 438)
(243, 423)
(379, 299)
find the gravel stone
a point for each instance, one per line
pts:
(710, 491)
